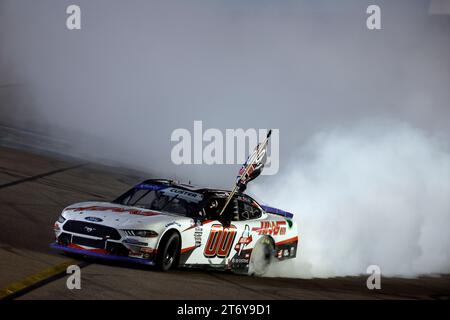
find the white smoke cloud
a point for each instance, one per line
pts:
(114, 91)
(375, 194)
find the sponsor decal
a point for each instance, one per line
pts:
(135, 254)
(280, 254)
(154, 187)
(240, 260)
(271, 228)
(114, 209)
(183, 194)
(198, 233)
(93, 219)
(135, 242)
(173, 223)
(244, 240)
(148, 250)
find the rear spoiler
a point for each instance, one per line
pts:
(277, 211)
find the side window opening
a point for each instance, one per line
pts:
(248, 211)
(214, 206)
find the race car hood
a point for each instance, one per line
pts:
(119, 216)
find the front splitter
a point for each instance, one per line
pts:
(110, 257)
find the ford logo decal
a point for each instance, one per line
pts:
(93, 219)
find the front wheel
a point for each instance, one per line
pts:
(168, 252)
(261, 258)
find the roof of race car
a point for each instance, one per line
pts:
(174, 183)
(149, 184)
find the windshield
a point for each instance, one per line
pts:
(163, 198)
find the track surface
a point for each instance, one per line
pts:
(33, 190)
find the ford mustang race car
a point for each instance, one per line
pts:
(168, 224)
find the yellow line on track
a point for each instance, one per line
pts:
(35, 279)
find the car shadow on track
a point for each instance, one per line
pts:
(143, 267)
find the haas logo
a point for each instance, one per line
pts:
(271, 227)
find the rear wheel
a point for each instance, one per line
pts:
(168, 252)
(262, 257)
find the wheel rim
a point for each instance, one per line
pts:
(261, 259)
(170, 253)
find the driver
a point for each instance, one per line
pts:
(159, 201)
(210, 209)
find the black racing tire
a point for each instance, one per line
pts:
(168, 252)
(261, 257)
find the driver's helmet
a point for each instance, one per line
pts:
(159, 201)
(212, 207)
(213, 204)
(177, 205)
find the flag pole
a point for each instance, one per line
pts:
(229, 199)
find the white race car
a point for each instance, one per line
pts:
(167, 224)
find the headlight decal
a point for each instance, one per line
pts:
(141, 233)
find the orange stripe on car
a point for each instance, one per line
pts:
(187, 249)
(294, 239)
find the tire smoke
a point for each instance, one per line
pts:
(374, 194)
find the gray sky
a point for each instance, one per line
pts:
(137, 70)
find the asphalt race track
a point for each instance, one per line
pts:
(33, 190)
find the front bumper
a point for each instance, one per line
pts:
(101, 254)
(104, 242)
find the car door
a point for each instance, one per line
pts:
(230, 243)
(248, 220)
(221, 234)
(216, 235)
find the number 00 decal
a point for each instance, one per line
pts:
(220, 241)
